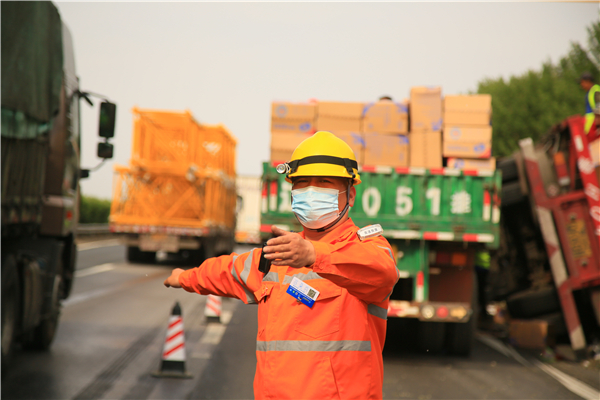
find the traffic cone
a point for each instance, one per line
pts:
(212, 310)
(173, 355)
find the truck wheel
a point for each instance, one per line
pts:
(42, 336)
(460, 336)
(11, 307)
(135, 255)
(532, 303)
(512, 193)
(510, 171)
(431, 336)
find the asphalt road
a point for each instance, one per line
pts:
(113, 328)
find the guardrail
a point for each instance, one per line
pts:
(92, 229)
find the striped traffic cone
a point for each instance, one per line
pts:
(212, 310)
(173, 355)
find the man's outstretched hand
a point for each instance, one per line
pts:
(290, 249)
(173, 280)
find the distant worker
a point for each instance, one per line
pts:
(322, 307)
(482, 270)
(592, 103)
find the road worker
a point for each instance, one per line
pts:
(322, 307)
(592, 103)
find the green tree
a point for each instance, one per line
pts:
(94, 210)
(528, 105)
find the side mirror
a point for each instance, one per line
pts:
(105, 150)
(84, 173)
(108, 114)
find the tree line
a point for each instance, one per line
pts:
(528, 105)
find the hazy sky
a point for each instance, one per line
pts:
(226, 62)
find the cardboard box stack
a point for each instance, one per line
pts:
(421, 133)
(385, 129)
(425, 136)
(291, 123)
(467, 131)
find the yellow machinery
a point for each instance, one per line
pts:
(178, 193)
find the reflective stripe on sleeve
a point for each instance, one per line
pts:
(271, 277)
(377, 311)
(302, 277)
(389, 252)
(250, 299)
(313, 345)
(247, 267)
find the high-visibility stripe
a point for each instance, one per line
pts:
(487, 201)
(174, 349)
(313, 345)
(377, 311)
(420, 288)
(403, 234)
(247, 267)
(271, 277)
(302, 277)
(249, 295)
(173, 336)
(389, 252)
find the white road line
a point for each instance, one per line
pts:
(94, 270)
(213, 333)
(574, 385)
(78, 298)
(98, 244)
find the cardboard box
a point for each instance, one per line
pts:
(297, 111)
(336, 109)
(283, 144)
(331, 124)
(385, 149)
(467, 142)
(469, 163)
(425, 109)
(385, 117)
(425, 149)
(356, 141)
(468, 110)
(530, 334)
(292, 125)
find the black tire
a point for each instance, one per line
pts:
(431, 336)
(135, 255)
(11, 309)
(509, 168)
(42, 336)
(557, 321)
(461, 335)
(533, 303)
(512, 193)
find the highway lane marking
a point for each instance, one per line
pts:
(574, 385)
(212, 335)
(98, 244)
(78, 298)
(94, 270)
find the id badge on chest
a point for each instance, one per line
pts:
(302, 292)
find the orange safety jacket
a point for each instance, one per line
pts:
(330, 351)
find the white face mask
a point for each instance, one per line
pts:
(315, 207)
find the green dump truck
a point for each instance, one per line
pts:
(436, 220)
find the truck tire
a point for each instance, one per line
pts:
(509, 168)
(532, 303)
(135, 255)
(42, 336)
(512, 193)
(557, 321)
(431, 336)
(11, 308)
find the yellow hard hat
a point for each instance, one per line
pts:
(322, 154)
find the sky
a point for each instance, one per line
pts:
(226, 62)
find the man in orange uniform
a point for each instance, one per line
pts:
(322, 307)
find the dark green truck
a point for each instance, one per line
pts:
(436, 220)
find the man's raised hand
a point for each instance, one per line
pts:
(290, 249)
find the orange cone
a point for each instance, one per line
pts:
(173, 355)
(212, 310)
